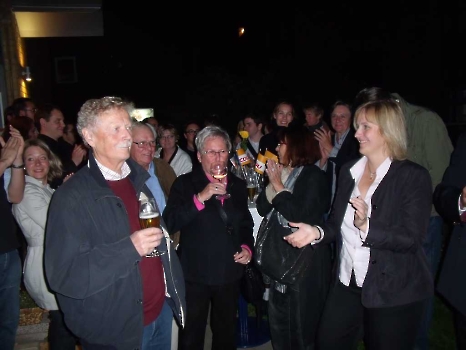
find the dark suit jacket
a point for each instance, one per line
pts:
(452, 282)
(206, 248)
(398, 272)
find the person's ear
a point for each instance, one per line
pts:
(88, 136)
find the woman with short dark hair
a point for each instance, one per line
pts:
(297, 191)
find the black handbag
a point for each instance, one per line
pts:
(275, 257)
(252, 286)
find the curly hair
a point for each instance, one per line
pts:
(92, 109)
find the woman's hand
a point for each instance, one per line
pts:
(324, 138)
(305, 235)
(360, 214)
(242, 257)
(213, 188)
(274, 172)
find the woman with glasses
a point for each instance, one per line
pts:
(297, 191)
(170, 152)
(215, 241)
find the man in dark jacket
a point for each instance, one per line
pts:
(450, 202)
(112, 294)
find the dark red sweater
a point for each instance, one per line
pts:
(153, 284)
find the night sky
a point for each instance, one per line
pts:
(187, 60)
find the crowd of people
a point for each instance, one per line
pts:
(353, 217)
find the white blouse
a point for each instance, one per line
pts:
(353, 256)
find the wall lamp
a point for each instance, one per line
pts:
(27, 73)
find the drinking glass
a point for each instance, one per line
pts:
(149, 216)
(219, 171)
(251, 183)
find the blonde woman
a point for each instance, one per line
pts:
(379, 218)
(42, 166)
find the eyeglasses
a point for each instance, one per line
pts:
(33, 110)
(281, 143)
(211, 153)
(167, 137)
(191, 131)
(143, 144)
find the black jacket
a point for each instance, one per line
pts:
(92, 265)
(398, 273)
(206, 248)
(451, 282)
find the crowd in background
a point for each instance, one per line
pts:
(352, 186)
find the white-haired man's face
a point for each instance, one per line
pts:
(110, 138)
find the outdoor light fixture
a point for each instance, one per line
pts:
(27, 73)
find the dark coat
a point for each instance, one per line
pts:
(206, 249)
(398, 273)
(92, 264)
(451, 282)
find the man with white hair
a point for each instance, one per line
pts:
(113, 295)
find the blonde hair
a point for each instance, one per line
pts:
(55, 166)
(391, 122)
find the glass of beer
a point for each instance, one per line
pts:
(149, 216)
(251, 184)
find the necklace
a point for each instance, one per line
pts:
(372, 175)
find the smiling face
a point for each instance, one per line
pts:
(143, 154)
(37, 163)
(341, 119)
(167, 140)
(110, 138)
(54, 126)
(283, 114)
(371, 141)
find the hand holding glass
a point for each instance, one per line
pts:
(150, 217)
(219, 171)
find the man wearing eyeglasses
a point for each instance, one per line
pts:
(24, 106)
(190, 132)
(161, 173)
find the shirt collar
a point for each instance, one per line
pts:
(358, 169)
(111, 175)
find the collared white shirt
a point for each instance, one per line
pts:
(353, 256)
(111, 175)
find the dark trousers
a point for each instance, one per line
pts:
(224, 304)
(59, 336)
(345, 320)
(294, 315)
(459, 321)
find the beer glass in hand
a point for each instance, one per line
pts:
(150, 217)
(219, 171)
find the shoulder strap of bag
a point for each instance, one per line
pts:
(251, 149)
